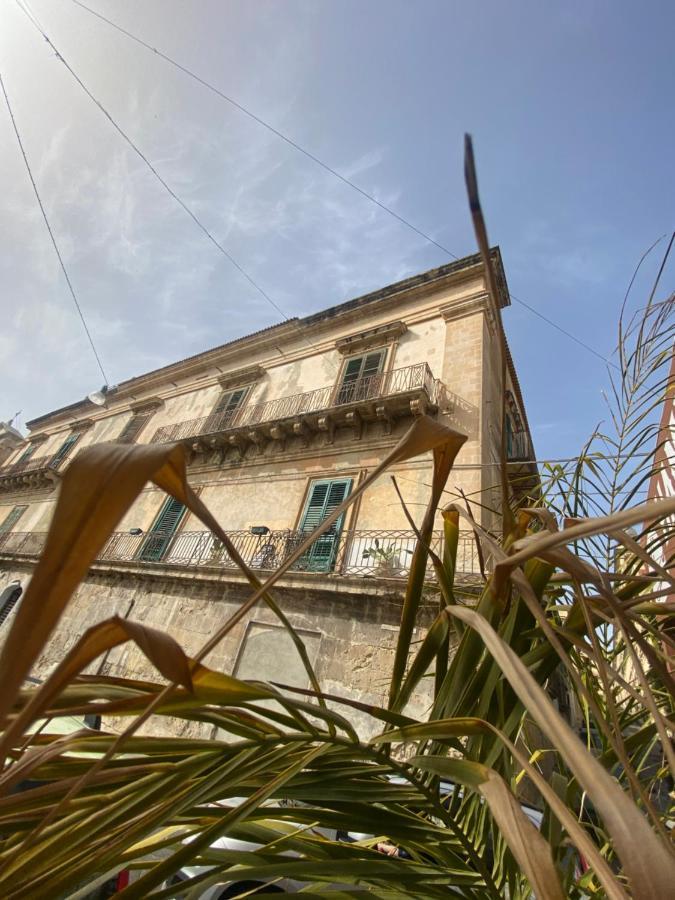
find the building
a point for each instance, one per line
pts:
(282, 424)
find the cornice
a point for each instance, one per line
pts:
(371, 337)
(465, 306)
(81, 425)
(241, 377)
(146, 406)
(313, 327)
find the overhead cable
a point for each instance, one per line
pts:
(51, 235)
(319, 162)
(206, 231)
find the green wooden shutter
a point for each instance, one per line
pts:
(27, 453)
(162, 530)
(64, 449)
(324, 498)
(223, 412)
(509, 438)
(372, 363)
(12, 518)
(133, 428)
(357, 369)
(369, 385)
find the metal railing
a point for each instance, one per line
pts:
(382, 384)
(379, 554)
(22, 543)
(33, 464)
(519, 447)
(37, 464)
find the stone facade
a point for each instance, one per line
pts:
(267, 418)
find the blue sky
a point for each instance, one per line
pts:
(570, 107)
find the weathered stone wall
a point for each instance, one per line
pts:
(350, 628)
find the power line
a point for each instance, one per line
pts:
(161, 180)
(319, 162)
(51, 234)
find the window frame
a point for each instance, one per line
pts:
(64, 449)
(158, 553)
(314, 553)
(5, 528)
(123, 437)
(217, 416)
(362, 355)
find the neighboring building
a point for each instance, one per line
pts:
(10, 439)
(282, 424)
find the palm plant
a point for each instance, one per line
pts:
(289, 763)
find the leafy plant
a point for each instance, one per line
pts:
(388, 558)
(555, 606)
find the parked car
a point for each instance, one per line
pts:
(227, 890)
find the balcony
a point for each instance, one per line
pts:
(375, 554)
(31, 473)
(519, 447)
(522, 467)
(384, 396)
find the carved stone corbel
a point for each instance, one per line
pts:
(278, 435)
(301, 430)
(238, 442)
(418, 407)
(258, 439)
(383, 414)
(355, 422)
(327, 425)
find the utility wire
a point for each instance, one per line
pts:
(161, 180)
(51, 234)
(319, 162)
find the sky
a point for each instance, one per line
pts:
(570, 108)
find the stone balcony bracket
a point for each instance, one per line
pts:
(383, 413)
(35, 480)
(258, 439)
(326, 424)
(419, 407)
(355, 422)
(298, 420)
(302, 430)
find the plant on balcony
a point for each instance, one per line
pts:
(217, 551)
(388, 559)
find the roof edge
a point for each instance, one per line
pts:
(429, 277)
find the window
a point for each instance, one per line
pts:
(27, 453)
(509, 437)
(12, 518)
(9, 598)
(64, 449)
(133, 428)
(324, 497)
(223, 413)
(162, 530)
(361, 377)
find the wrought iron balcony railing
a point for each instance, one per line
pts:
(380, 385)
(36, 471)
(519, 447)
(383, 554)
(34, 464)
